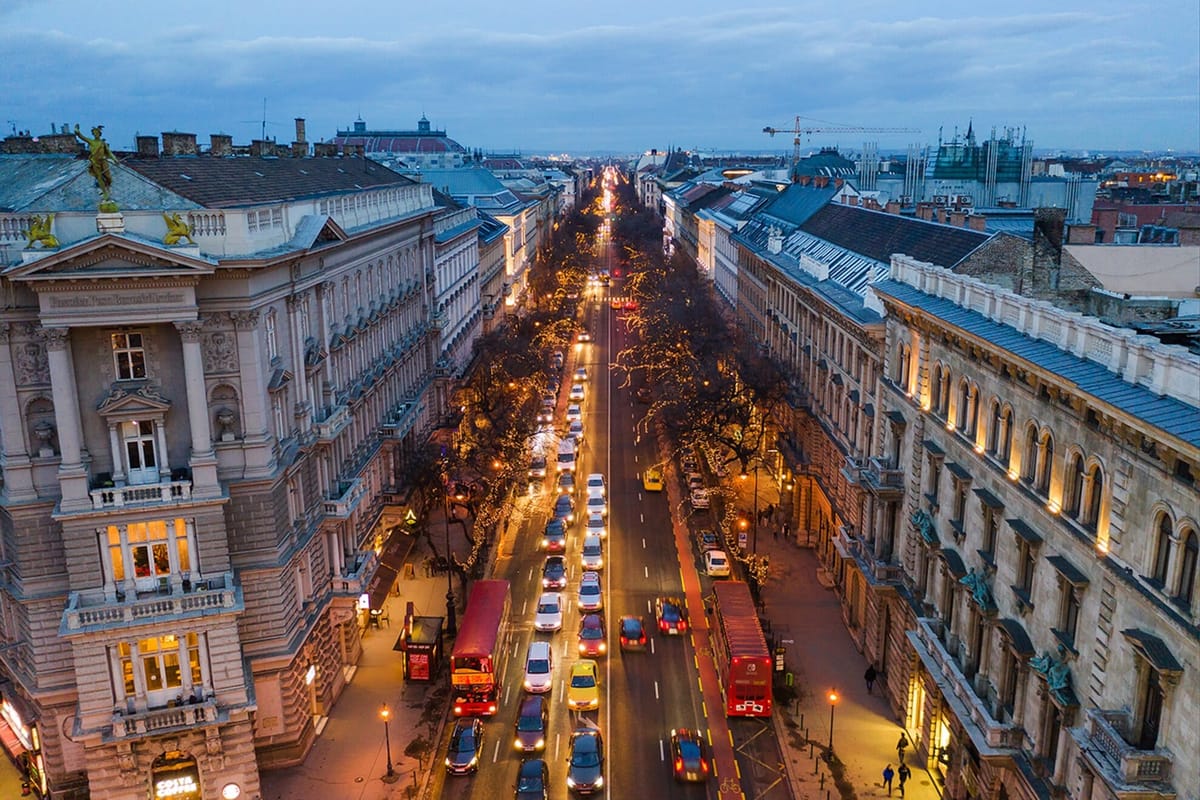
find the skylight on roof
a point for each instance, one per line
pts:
(259, 174)
(185, 176)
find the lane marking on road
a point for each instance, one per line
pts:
(496, 755)
(656, 697)
(652, 651)
(643, 542)
(662, 751)
(642, 518)
(647, 571)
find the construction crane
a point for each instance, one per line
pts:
(799, 129)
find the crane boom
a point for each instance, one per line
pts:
(799, 130)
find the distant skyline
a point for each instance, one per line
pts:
(543, 77)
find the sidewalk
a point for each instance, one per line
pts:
(865, 730)
(349, 759)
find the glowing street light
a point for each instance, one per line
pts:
(833, 698)
(385, 714)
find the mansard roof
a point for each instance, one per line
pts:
(232, 181)
(878, 235)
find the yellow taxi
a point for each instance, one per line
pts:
(583, 689)
(652, 479)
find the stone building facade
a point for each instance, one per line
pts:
(201, 445)
(1042, 634)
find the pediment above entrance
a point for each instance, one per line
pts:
(113, 257)
(133, 402)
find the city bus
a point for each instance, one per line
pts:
(740, 650)
(479, 652)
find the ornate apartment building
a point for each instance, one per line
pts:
(1042, 632)
(206, 398)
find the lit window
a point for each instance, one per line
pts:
(129, 355)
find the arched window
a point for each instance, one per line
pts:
(1045, 463)
(935, 390)
(1162, 549)
(1029, 454)
(942, 402)
(962, 413)
(1004, 447)
(1186, 591)
(1094, 487)
(1073, 486)
(993, 431)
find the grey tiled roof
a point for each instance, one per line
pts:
(1171, 416)
(879, 235)
(229, 182)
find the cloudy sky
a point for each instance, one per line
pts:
(623, 76)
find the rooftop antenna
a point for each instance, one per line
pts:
(264, 122)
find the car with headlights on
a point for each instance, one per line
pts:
(554, 539)
(554, 573)
(581, 374)
(597, 504)
(574, 413)
(585, 761)
(591, 594)
(564, 508)
(595, 485)
(566, 483)
(549, 614)
(596, 526)
(583, 687)
(531, 724)
(592, 636)
(577, 392)
(466, 743)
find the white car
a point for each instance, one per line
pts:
(591, 596)
(576, 392)
(592, 554)
(716, 563)
(580, 374)
(575, 431)
(597, 505)
(549, 616)
(700, 498)
(596, 525)
(574, 413)
(595, 485)
(539, 668)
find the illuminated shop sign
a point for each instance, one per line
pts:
(181, 786)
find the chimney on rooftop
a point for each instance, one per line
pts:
(300, 130)
(1081, 233)
(221, 144)
(179, 144)
(147, 146)
(977, 222)
(324, 149)
(958, 219)
(805, 180)
(892, 207)
(941, 214)
(925, 211)
(261, 147)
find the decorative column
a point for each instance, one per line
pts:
(296, 335)
(257, 450)
(203, 461)
(18, 472)
(118, 461)
(72, 475)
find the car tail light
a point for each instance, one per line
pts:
(679, 765)
(492, 709)
(662, 624)
(458, 711)
(704, 765)
(682, 625)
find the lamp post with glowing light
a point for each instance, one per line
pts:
(754, 530)
(385, 714)
(833, 698)
(451, 616)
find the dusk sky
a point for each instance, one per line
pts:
(618, 76)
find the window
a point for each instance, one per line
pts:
(1186, 590)
(1093, 490)
(160, 669)
(1004, 438)
(129, 356)
(1025, 564)
(145, 552)
(993, 432)
(1045, 463)
(1029, 454)
(935, 478)
(960, 504)
(1162, 549)
(141, 455)
(281, 431)
(1068, 618)
(1008, 682)
(1073, 486)
(941, 393)
(991, 524)
(272, 341)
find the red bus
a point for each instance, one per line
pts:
(479, 651)
(743, 660)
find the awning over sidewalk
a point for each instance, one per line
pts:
(391, 562)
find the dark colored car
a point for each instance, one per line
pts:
(592, 636)
(533, 780)
(554, 573)
(707, 540)
(531, 725)
(585, 763)
(554, 540)
(633, 633)
(566, 483)
(466, 743)
(688, 761)
(671, 615)
(564, 508)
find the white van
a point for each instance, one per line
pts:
(593, 553)
(566, 456)
(539, 668)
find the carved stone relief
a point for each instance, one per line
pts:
(29, 358)
(220, 352)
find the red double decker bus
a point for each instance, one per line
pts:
(479, 651)
(743, 660)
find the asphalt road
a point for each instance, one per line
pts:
(643, 694)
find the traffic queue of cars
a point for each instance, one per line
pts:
(586, 759)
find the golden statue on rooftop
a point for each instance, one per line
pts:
(100, 155)
(39, 232)
(177, 230)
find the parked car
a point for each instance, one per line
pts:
(585, 761)
(716, 563)
(537, 466)
(671, 615)
(688, 759)
(531, 724)
(632, 633)
(466, 742)
(707, 540)
(575, 432)
(699, 498)
(547, 412)
(549, 615)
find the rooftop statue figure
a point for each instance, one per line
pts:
(99, 158)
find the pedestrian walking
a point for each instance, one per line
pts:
(784, 530)
(904, 774)
(888, 774)
(869, 676)
(901, 746)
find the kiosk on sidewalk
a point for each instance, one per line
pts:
(421, 644)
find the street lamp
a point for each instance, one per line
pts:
(386, 714)
(754, 530)
(833, 700)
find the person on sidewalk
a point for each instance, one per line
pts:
(901, 746)
(904, 773)
(869, 676)
(888, 774)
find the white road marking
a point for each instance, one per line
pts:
(646, 570)
(656, 697)
(496, 754)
